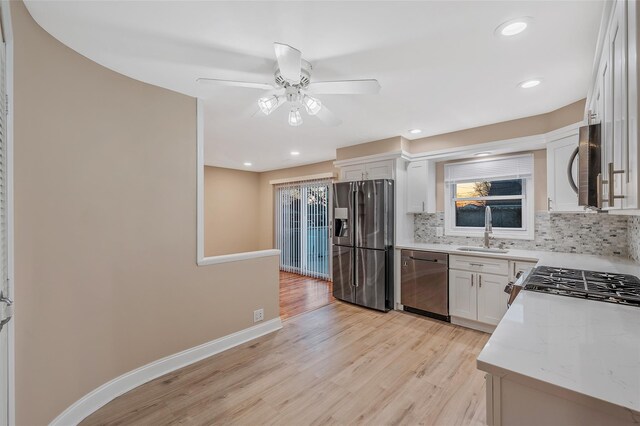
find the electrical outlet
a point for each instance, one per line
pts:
(258, 315)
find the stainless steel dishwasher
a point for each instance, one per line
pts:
(424, 285)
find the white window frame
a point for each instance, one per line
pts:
(527, 232)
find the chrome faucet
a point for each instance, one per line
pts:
(488, 226)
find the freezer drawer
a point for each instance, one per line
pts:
(343, 285)
(424, 282)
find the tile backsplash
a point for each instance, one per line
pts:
(633, 234)
(586, 233)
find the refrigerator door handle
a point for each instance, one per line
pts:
(355, 268)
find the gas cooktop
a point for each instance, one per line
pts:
(602, 286)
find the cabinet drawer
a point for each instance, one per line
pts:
(483, 265)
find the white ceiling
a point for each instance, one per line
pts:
(440, 65)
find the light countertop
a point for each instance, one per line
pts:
(620, 265)
(588, 347)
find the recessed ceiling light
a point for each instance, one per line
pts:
(482, 154)
(530, 83)
(248, 164)
(295, 153)
(513, 27)
(415, 131)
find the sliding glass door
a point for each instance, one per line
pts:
(302, 227)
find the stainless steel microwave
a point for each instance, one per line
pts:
(589, 167)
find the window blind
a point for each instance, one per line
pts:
(515, 167)
(302, 227)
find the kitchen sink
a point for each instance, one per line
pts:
(483, 249)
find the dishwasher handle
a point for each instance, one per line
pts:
(424, 260)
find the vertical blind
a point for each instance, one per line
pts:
(302, 227)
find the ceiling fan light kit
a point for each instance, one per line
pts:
(268, 104)
(292, 78)
(311, 104)
(295, 119)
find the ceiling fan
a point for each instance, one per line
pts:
(294, 87)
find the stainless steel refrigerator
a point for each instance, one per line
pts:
(363, 243)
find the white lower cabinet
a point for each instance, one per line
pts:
(477, 299)
(462, 294)
(492, 300)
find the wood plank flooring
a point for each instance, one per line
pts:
(340, 364)
(299, 294)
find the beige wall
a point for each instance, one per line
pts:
(231, 204)
(105, 226)
(528, 126)
(539, 179)
(382, 146)
(266, 240)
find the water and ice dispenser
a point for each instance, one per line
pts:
(340, 222)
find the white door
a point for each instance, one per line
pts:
(562, 198)
(462, 294)
(6, 308)
(492, 300)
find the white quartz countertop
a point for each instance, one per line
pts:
(620, 265)
(588, 347)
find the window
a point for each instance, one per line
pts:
(505, 185)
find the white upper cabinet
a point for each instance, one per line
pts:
(421, 187)
(368, 171)
(613, 104)
(380, 169)
(352, 173)
(560, 162)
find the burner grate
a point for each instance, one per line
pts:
(603, 286)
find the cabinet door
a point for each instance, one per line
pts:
(380, 170)
(421, 187)
(492, 300)
(352, 173)
(417, 187)
(562, 198)
(618, 75)
(462, 294)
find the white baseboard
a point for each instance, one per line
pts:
(120, 385)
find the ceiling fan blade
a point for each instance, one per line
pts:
(231, 83)
(327, 117)
(289, 62)
(344, 87)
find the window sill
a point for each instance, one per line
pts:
(236, 257)
(523, 235)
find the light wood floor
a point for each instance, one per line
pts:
(300, 294)
(339, 364)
